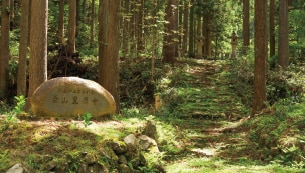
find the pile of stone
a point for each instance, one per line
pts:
(122, 156)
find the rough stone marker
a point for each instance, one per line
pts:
(71, 97)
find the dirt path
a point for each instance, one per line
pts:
(213, 114)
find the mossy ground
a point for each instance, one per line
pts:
(202, 124)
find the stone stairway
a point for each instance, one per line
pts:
(207, 92)
(212, 112)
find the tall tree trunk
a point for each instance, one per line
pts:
(92, 23)
(169, 40)
(207, 34)
(109, 45)
(261, 54)
(185, 27)
(199, 36)
(77, 16)
(126, 28)
(23, 47)
(140, 39)
(176, 41)
(12, 14)
(272, 27)
(283, 49)
(30, 18)
(71, 27)
(191, 33)
(180, 26)
(133, 32)
(199, 30)
(246, 25)
(61, 21)
(5, 51)
(85, 10)
(38, 45)
(154, 39)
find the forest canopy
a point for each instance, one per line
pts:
(220, 81)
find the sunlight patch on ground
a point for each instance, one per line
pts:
(209, 152)
(43, 132)
(211, 165)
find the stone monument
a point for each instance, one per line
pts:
(71, 97)
(199, 46)
(234, 38)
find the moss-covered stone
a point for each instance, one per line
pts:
(71, 97)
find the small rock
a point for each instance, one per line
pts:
(119, 147)
(122, 159)
(115, 170)
(18, 168)
(143, 161)
(83, 168)
(90, 158)
(150, 130)
(61, 167)
(135, 162)
(98, 168)
(131, 154)
(109, 156)
(146, 143)
(124, 169)
(50, 166)
(130, 140)
(160, 168)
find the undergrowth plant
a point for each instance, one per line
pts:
(11, 116)
(87, 119)
(242, 77)
(20, 102)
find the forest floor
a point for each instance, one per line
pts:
(213, 115)
(214, 127)
(202, 127)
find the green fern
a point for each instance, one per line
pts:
(87, 119)
(20, 102)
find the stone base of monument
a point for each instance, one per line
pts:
(71, 97)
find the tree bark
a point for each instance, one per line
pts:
(272, 28)
(283, 48)
(71, 27)
(92, 23)
(61, 21)
(23, 47)
(261, 54)
(185, 28)
(191, 30)
(246, 25)
(12, 15)
(126, 29)
(180, 27)
(85, 11)
(133, 20)
(109, 45)
(5, 51)
(38, 45)
(140, 39)
(170, 37)
(207, 34)
(77, 16)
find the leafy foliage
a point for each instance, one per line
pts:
(137, 86)
(278, 134)
(242, 75)
(87, 119)
(20, 103)
(11, 117)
